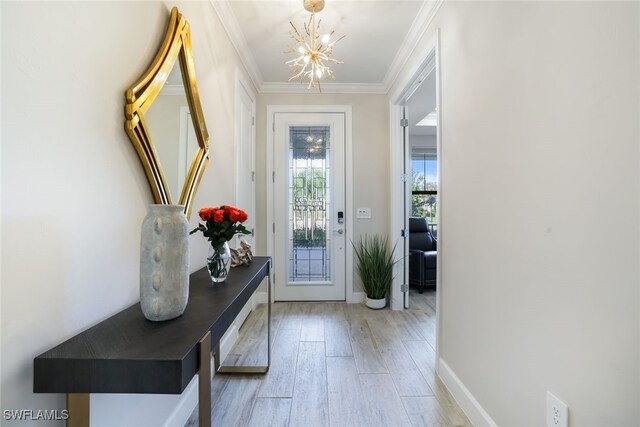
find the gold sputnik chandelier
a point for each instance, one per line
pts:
(313, 52)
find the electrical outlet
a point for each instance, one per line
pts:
(363, 213)
(557, 412)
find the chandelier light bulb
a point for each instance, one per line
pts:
(325, 38)
(301, 49)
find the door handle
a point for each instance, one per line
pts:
(340, 231)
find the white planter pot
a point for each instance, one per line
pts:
(375, 304)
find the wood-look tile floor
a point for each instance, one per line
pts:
(336, 364)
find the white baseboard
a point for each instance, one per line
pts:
(261, 297)
(356, 298)
(228, 340)
(184, 409)
(471, 407)
(230, 337)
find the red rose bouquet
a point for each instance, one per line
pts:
(221, 224)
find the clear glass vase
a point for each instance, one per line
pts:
(219, 262)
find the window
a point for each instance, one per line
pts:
(424, 199)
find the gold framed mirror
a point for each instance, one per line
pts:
(167, 106)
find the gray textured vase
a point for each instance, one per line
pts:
(164, 262)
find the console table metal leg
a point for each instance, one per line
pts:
(204, 381)
(263, 369)
(269, 316)
(78, 407)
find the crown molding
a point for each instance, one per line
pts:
(232, 27)
(419, 26)
(296, 87)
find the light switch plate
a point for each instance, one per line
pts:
(363, 213)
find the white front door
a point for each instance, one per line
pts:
(309, 206)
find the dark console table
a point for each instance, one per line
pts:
(129, 354)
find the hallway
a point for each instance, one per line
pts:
(337, 364)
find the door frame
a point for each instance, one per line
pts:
(405, 86)
(348, 165)
(243, 84)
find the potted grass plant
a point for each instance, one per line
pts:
(374, 265)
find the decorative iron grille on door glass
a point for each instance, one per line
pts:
(309, 204)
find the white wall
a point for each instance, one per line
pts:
(1, 198)
(540, 140)
(370, 159)
(73, 191)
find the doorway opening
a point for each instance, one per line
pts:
(422, 178)
(416, 153)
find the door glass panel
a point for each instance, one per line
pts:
(309, 204)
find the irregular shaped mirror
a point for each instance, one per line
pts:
(164, 120)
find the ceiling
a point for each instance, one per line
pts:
(380, 35)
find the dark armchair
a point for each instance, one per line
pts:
(423, 253)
